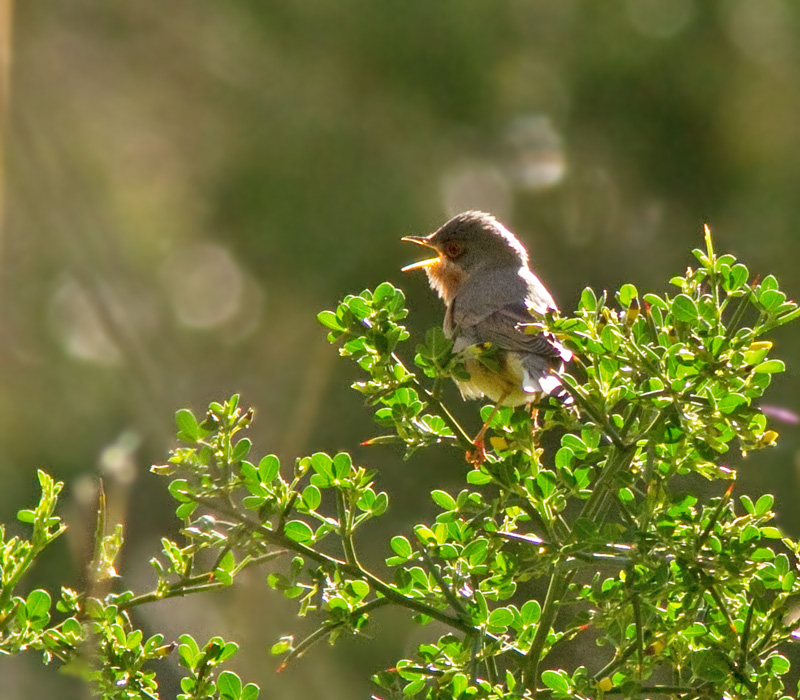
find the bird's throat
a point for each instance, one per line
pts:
(445, 279)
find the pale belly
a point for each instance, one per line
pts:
(505, 384)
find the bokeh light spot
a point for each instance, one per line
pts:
(660, 19)
(205, 285)
(78, 325)
(764, 30)
(538, 160)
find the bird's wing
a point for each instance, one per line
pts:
(502, 329)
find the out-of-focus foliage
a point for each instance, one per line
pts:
(185, 188)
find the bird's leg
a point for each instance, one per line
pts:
(478, 456)
(535, 416)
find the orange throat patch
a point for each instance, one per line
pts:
(446, 278)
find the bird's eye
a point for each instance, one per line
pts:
(452, 249)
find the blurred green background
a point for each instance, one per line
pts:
(188, 183)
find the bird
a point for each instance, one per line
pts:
(482, 275)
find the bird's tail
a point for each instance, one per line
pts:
(541, 377)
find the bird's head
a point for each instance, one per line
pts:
(470, 241)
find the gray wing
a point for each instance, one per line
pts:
(502, 329)
(541, 356)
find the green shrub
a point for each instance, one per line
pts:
(682, 596)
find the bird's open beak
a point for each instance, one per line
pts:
(423, 241)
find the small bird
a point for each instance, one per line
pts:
(481, 273)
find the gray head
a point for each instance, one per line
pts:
(476, 239)
(470, 241)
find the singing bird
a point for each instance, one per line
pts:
(481, 273)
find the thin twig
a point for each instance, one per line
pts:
(192, 584)
(558, 586)
(455, 426)
(281, 540)
(446, 590)
(344, 530)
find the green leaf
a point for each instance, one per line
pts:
(241, 450)
(37, 606)
(762, 554)
(610, 338)
(382, 292)
(359, 588)
(771, 299)
(531, 612)
(656, 301)
(588, 300)
(481, 609)
(224, 570)
(229, 686)
(424, 534)
(500, 619)
(684, 308)
(564, 457)
(342, 464)
(185, 510)
(322, 463)
(298, 531)
(188, 428)
(627, 293)
(769, 282)
(381, 504)
(625, 495)
(269, 468)
(311, 497)
(770, 367)
(134, 639)
(330, 320)
(764, 504)
(477, 477)
(188, 651)
(578, 446)
(511, 681)
(444, 500)
(459, 684)
(179, 488)
(737, 277)
(730, 402)
(791, 314)
(476, 551)
(778, 664)
(419, 577)
(251, 692)
(696, 630)
(283, 645)
(556, 680)
(227, 649)
(414, 687)
(401, 546)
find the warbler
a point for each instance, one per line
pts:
(481, 273)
